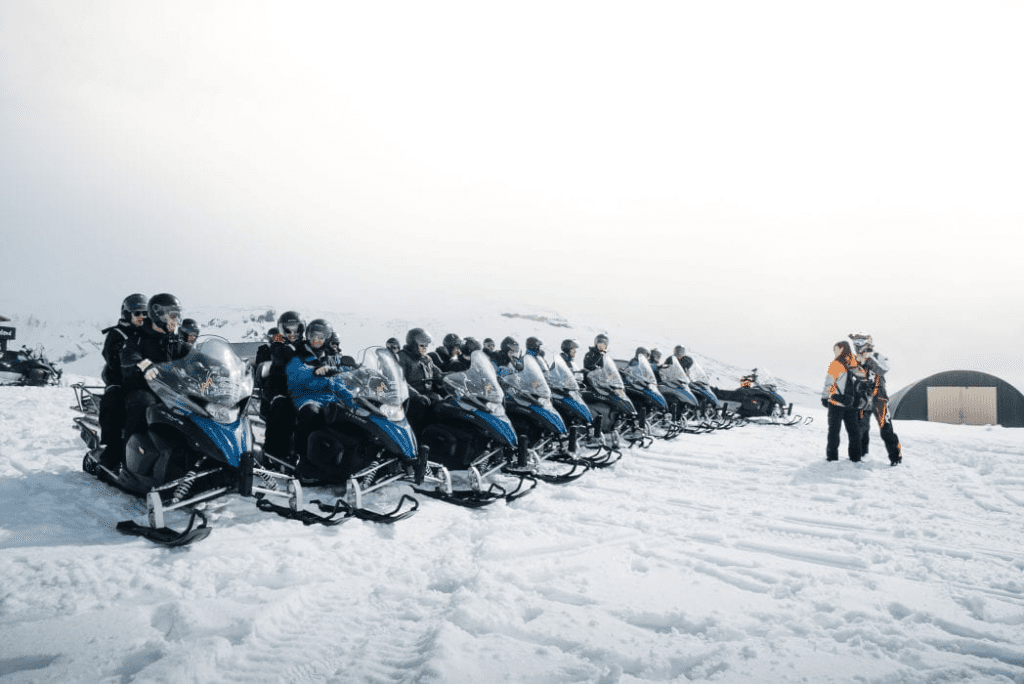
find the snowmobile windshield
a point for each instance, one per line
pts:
(698, 374)
(640, 373)
(607, 377)
(378, 379)
(211, 371)
(766, 379)
(528, 382)
(559, 376)
(673, 374)
(479, 382)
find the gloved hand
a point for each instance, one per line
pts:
(824, 402)
(149, 371)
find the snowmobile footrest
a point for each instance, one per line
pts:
(391, 517)
(165, 536)
(467, 498)
(338, 513)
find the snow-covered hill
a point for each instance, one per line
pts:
(736, 556)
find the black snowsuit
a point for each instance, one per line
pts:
(880, 409)
(280, 412)
(158, 347)
(112, 408)
(424, 380)
(594, 359)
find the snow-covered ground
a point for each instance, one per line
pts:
(737, 556)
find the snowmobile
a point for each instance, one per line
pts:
(568, 401)
(758, 401)
(641, 385)
(198, 445)
(368, 444)
(684, 405)
(605, 396)
(470, 433)
(542, 434)
(27, 367)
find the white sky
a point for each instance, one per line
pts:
(761, 177)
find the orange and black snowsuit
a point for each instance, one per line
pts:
(846, 406)
(880, 407)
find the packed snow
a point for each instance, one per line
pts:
(733, 556)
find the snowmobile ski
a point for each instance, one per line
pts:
(165, 536)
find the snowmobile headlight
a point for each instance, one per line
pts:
(495, 409)
(222, 414)
(392, 412)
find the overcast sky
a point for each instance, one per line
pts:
(760, 177)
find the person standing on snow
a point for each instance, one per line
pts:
(876, 367)
(112, 407)
(845, 397)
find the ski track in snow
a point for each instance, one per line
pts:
(735, 556)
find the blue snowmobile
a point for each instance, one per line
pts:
(198, 444)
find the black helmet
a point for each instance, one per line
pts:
(643, 350)
(163, 307)
(470, 345)
(679, 350)
(133, 303)
(319, 328)
(418, 337)
(535, 345)
(686, 362)
(510, 346)
(334, 342)
(655, 355)
(393, 345)
(488, 344)
(290, 323)
(189, 327)
(451, 341)
(272, 333)
(568, 345)
(600, 338)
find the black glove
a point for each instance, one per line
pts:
(824, 402)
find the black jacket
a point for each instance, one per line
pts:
(593, 360)
(117, 336)
(420, 372)
(158, 347)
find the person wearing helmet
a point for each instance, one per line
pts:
(190, 330)
(595, 355)
(421, 374)
(158, 342)
(569, 348)
(312, 384)
(112, 408)
(280, 412)
(464, 361)
(876, 366)
(506, 359)
(260, 368)
(450, 349)
(489, 346)
(393, 346)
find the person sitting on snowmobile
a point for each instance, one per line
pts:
(422, 376)
(489, 347)
(450, 350)
(640, 351)
(656, 364)
(569, 348)
(535, 348)
(112, 403)
(845, 397)
(393, 346)
(463, 363)
(280, 413)
(876, 367)
(263, 357)
(312, 384)
(155, 343)
(595, 355)
(189, 330)
(506, 360)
